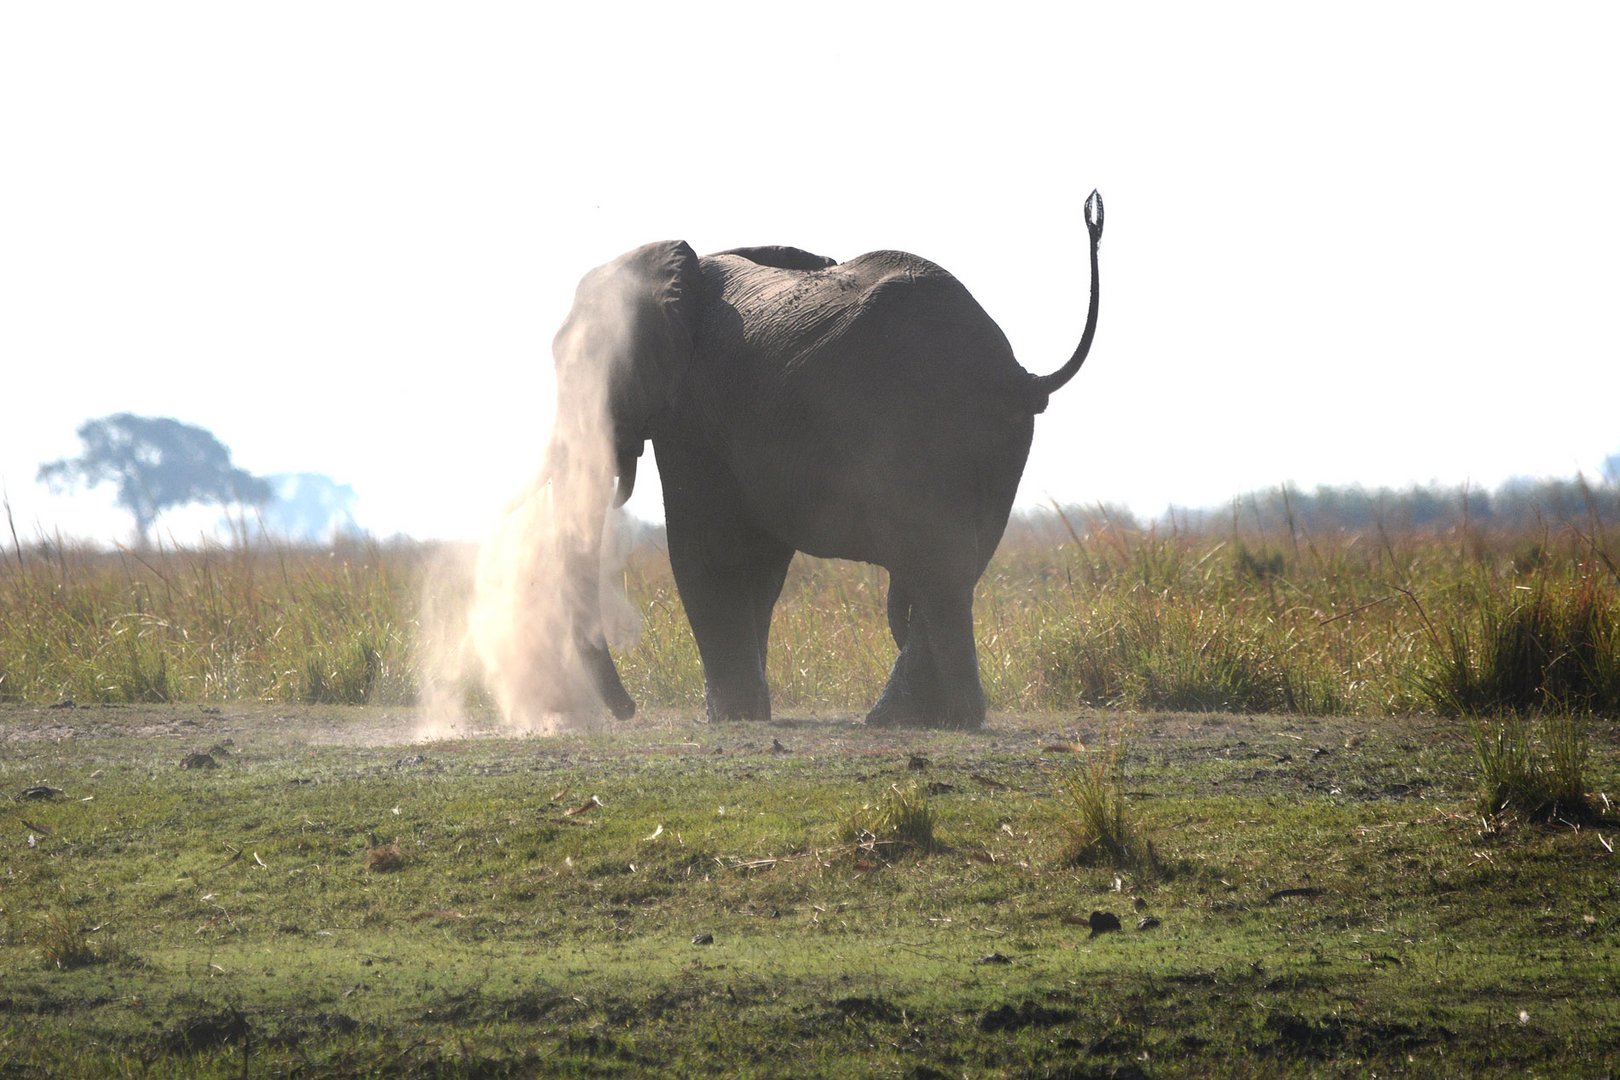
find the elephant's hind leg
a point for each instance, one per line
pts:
(935, 680)
(956, 700)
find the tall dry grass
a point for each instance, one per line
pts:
(213, 623)
(1075, 610)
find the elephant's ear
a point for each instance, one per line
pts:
(633, 321)
(639, 303)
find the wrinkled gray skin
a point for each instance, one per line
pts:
(866, 410)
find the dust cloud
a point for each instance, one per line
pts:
(504, 624)
(497, 629)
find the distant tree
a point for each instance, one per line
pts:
(309, 507)
(157, 463)
(1611, 469)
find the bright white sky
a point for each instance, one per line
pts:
(1370, 242)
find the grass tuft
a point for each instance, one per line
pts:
(1548, 645)
(1101, 829)
(64, 946)
(1533, 768)
(342, 676)
(1166, 653)
(900, 820)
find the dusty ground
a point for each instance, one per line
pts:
(1355, 757)
(347, 725)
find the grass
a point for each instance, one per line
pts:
(1547, 644)
(1329, 733)
(209, 625)
(1535, 769)
(899, 821)
(673, 897)
(1071, 613)
(63, 945)
(1102, 829)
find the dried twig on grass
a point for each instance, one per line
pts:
(585, 807)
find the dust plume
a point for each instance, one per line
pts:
(506, 624)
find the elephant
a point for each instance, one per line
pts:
(867, 410)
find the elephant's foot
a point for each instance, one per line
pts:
(719, 716)
(752, 707)
(891, 713)
(919, 703)
(898, 705)
(902, 710)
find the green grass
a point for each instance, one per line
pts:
(1335, 905)
(1547, 644)
(1102, 828)
(899, 822)
(1534, 768)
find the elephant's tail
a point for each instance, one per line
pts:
(1045, 385)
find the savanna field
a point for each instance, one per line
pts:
(1345, 794)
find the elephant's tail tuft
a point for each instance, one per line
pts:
(1043, 386)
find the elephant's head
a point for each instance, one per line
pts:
(622, 348)
(619, 356)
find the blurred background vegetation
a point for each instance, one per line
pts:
(1336, 601)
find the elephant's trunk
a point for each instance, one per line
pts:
(1046, 385)
(583, 582)
(579, 478)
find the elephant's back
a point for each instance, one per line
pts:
(914, 313)
(884, 314)
(896, 396)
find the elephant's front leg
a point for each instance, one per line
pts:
(729, 586)
(729, 574)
